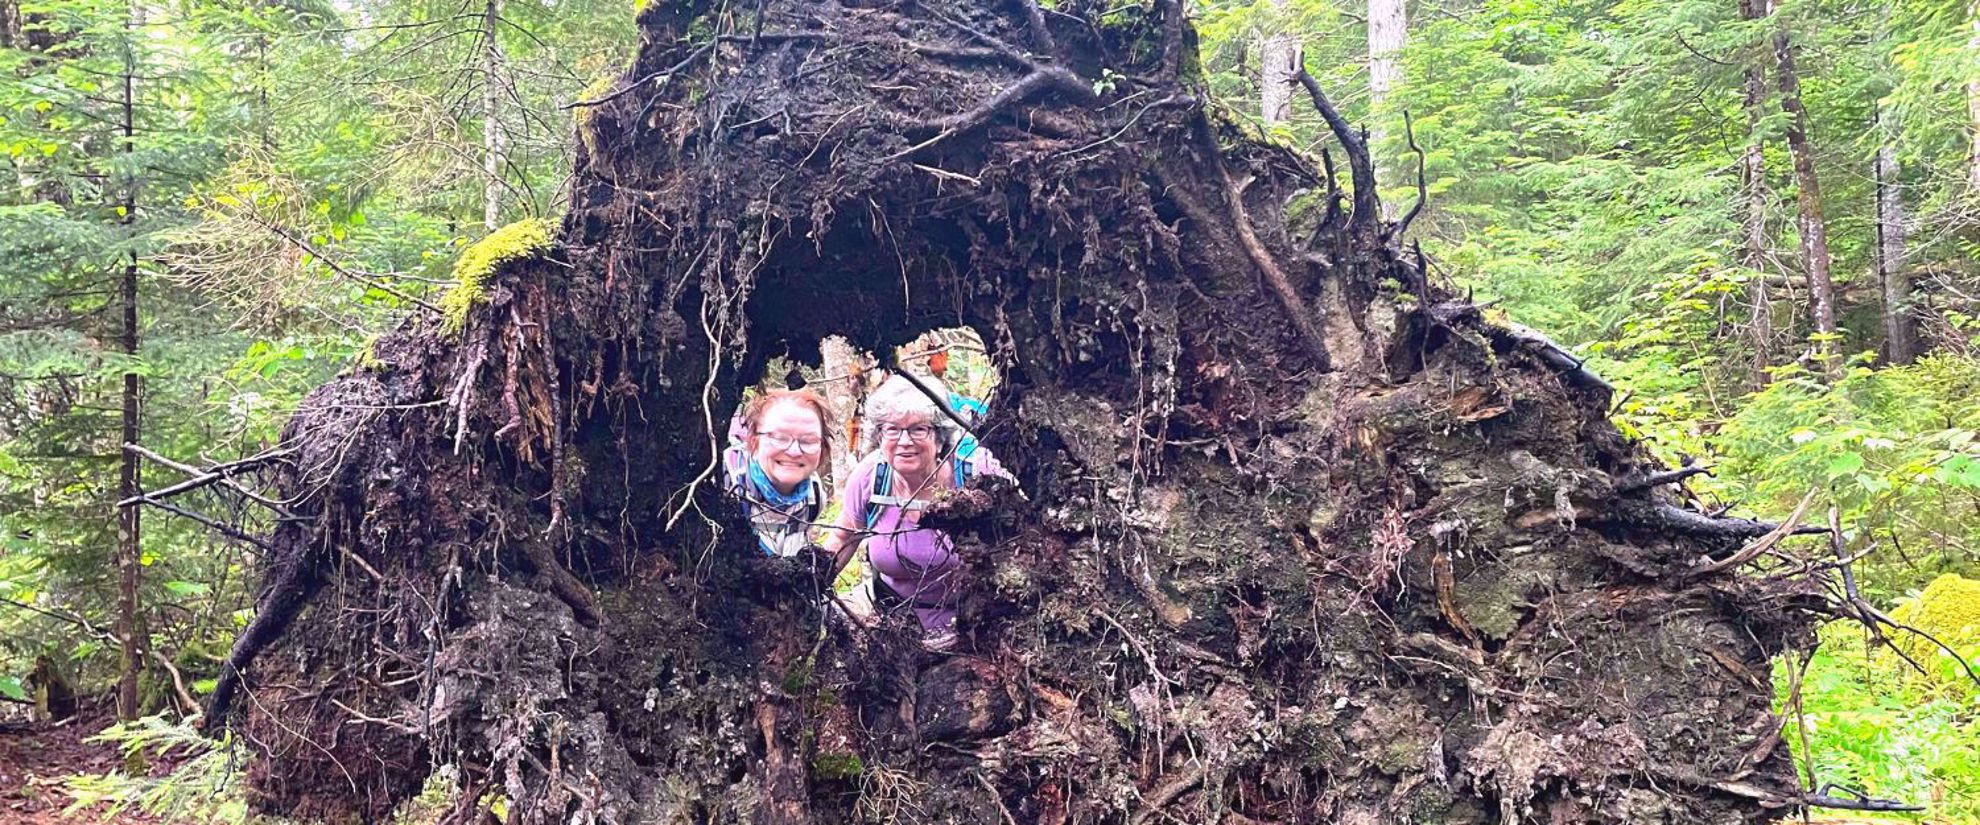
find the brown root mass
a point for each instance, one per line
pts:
(1300, 538)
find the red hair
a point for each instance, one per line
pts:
(759, 406)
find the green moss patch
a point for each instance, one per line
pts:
(518, 240)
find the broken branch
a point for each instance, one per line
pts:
(1661, 478)
(212, 523)
(1361, 170)
(1761, 545)
(216, 474)
(1422, 186)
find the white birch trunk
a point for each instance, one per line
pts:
(494, 143)
(1388, 28)
(1279, 63)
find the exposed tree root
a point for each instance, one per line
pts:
(1301, 537)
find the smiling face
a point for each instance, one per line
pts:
(787, 443)
(907, 444)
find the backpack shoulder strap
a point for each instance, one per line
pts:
(876, 498)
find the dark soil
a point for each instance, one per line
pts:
(36, 760)
(1301, 538)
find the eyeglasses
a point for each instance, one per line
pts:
(918, 432)
(805, 444)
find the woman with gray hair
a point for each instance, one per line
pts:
(912, 465)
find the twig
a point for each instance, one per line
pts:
(216, 525)
(994, 796)
(1296, 309)
(178, 684)
(1422, 186)
(1034, 83)
(1661, 478)
(668, 73)
(217, 474)
(1146, 657)
(940, 402)
(1168, 793)
(348, 274)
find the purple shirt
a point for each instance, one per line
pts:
(918, 563)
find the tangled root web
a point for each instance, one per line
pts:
(1301, 537)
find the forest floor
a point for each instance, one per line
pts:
(36, 760)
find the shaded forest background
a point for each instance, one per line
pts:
(1759, 222)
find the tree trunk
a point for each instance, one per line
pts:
(10, 24)
(1753, 220)
(1900, 328)
(494, 141)
(1388, 29)
(129, 551)
(1811, 227)
(1279, 58)
(843, 366)
(1289, 547)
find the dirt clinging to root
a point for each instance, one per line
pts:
(1301, 538)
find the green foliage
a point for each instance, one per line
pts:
(201, 789)
(1948, 611)
(275, 149)
(841, 766)
(1869, 733)
(1894, 447)
(516, 241)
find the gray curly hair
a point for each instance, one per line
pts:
(898, 398)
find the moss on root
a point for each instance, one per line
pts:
(522, 239)
(837, 766)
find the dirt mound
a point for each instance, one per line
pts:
(1301, 538)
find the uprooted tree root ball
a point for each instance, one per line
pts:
(1301, 538)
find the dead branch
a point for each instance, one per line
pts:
(1856, 801)
(178, 679)
(1669, 518)
(1422, 185)
(1761, 545)
(1661, 478)
(290, 587)
(1361, 170)
(1871, 617)
(1549, 353)
(216, 474)
(216, 525)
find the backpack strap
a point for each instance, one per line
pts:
(883, 489)
(879, 497)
